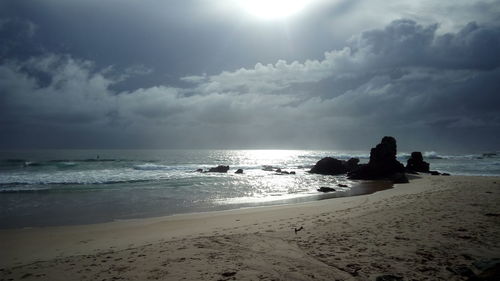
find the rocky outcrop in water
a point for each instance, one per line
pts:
(352, 164)
(329, 166)
(382, 164)
(332, 166)
(219, 169)
(416, 163)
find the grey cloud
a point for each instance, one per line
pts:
(417, 78)
(400, 80)
(15, 27)
(473, 47)
(17, 38)
(180, 38)
(402, 44)
(74, 93)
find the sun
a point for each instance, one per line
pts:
(273, 9)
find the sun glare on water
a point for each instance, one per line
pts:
(273, 9)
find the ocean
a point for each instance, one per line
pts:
(67, 187)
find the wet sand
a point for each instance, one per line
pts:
(434, 228)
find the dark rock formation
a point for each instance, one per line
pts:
(352, 164)
(267, 168)
(332, 166)
(292, 173)
(239, 171)
(219, 169)
(342, 185)
(199, 170)
(382, 164)
(325, 189)
(416, 163)
(329, 166)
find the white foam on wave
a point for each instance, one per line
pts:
(68, 164)
(160, 167)
(263, 199)
(151, 167)
(80, 177)
(432, 155)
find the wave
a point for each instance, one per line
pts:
(432, 155)
(50, 163)
(85, 160)
(403, 155)
(152, 167)
(101, 160)
(14, 160)
(179, 168)
(25, 189)
(16, 164)
(425, 154)
(336, 155)
(41, 185)
(88, 160)
(487, 155)
(348, 156)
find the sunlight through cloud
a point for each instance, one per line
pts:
(273, 9)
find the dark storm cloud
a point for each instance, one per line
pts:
(430, 84)
(17, 38)
(173, 37)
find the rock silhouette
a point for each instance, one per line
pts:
(325, 189)
(219, 169)
(416, 163)
(332, 166)
(382, 164)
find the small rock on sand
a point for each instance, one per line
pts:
(229, 274)
(325, 189)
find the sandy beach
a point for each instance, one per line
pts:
(434, 228)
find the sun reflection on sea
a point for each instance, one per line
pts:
(270, 175)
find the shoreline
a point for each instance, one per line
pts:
(357, 188)
(192, 220)
(341, 238)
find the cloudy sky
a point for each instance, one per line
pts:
(326, 74)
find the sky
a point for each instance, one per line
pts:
(235, 74)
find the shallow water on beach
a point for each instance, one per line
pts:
(59, 187)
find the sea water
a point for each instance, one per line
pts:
(60, 187)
